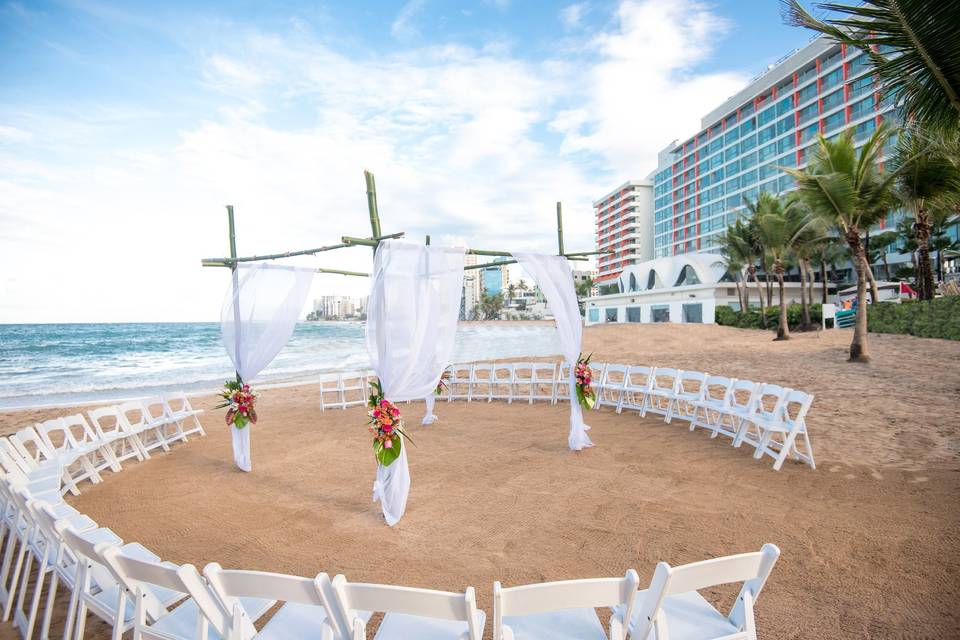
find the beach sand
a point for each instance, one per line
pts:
(869, 539)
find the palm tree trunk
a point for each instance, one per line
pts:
(858, 347)
(745, 304)
(783, 331)
(805, 298)
(806, 264)
(823, 282)
(925, 269)
(763, 307)
(874, 292)
(886, 266)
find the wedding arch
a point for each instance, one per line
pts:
(411, 324)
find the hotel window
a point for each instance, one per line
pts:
(611, 314)
(730, 136)
(716, 145)
(835, 99)
(808, 92)
(832, 79)
(861, 108)
(693, 312)
(748, 161)
(660, 313)
(594, 315)
(734, 201)
(746, 110)
(858, 65)
(806, 74)
(784, 144)
(749, 178)
(769, 169)
(733, 167)
(765, 116)
(784, 106)
(833, 121)
(731, 121)
(766, 134)
(830, 60)
(748, 126)
(767, 152)
(809, 133)
(864, 129)
(861, 86)
(808, 113)
(716, 161)
(751, 194)
(731, 152)
(785, 182)
(633, 314)
(748, 143)
(784, 125)
(732, 184)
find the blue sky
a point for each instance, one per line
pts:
(125, 128)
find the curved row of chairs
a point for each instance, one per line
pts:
(770, 418)
(130, 588)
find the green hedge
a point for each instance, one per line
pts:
(938, 318)
(751, 318)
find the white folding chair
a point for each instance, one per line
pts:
(636, 386)
(708, 410)
(155, 411)
(459, 383)
(309, 611)
(610, 389)
(331, 395)
(779, 436)
(689, 390)
(564, 609)
(409, 613)
(177, 407)
(135, 419)
(103, 457)
(353, 384)
(663, 388)
(561, 388)
(544, 381)
(481, 382)
(78, 460)
(672, 607)
(767, 408)
(739, 404)
(521, 382)
(110, 427)
(35, 454)
(501, 382)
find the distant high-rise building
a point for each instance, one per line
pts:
(471, 288)
(700, 184)
(495, 279)
(624, 222)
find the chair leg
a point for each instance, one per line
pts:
(48, 607)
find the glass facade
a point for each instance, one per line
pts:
(703, 187)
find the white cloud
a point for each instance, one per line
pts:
(403, 26)
(455, 135)
(571, 15)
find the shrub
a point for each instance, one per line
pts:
(937, 318)
(750, 319)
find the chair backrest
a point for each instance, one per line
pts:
(615, 374)
(691, 383)
(137, 575)
(522, 371)
(770, 399)
(639, 375)
(796, 404)
(567, 594)
(444, 605)
(483, 368)
(132, 413)
(717, 388)
(106, 420)
(31, 447)
(153, 408)
(460, 373)
(231, 584)
(752, 569)
(11, 459)
(177, 402)
(57, 435)
(664, 379)
(80, 428)
(743, 394)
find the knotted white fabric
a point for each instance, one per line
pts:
(258, 317)
(428, 416)
(555, 279)
(411, 324)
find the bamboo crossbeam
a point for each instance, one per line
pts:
(498, 264)
(344, 273)
(226, 262)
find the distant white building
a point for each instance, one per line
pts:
(329, 307)
(683, 289)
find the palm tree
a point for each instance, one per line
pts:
(511, 292)
(927, 177)
(755, 253)
(845, 188)
(914, 46)
(827, 253)
(781, 226)
(734, 263)
(879, 245)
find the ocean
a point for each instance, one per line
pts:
(54, 364)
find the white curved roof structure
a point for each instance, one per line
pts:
(689, 268)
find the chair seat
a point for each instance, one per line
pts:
(633, 389)
(566, 624)
(182, 621)
(689, 617)
(400, 626)
(300, 621)
(709, 403)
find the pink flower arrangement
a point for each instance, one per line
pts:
(386, 426)
(239, 401)
(586, 395)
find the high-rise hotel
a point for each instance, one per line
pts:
(624, 225)
(700, 184)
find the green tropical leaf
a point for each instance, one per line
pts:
(387, 456)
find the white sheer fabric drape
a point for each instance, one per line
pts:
(555, 279)
(411, 324)
(428, 415)
(258, 317)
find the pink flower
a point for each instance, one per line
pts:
(376, 414)
(388, 444)
(384, 403)
(395, 412)
(388, 428)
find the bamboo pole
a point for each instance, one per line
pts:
(344, 273)
(226, 262)
(428, 239)
(236, 283)
(560, 229)
(372, 207)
